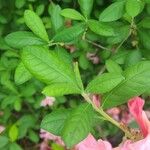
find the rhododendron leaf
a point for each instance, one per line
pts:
(100, 28)
(21, 39)
(54, 122)
(56, 19)
(136, 82)
(60, 89)
(104, 83)
(34, 22)
(113, 12)
(69, 34)
(72, 14)
(78, 125)
(49, 67)
(86, 7)
(22, 74)
(113, 67)
(133, 7)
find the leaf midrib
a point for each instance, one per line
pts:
(121, 85)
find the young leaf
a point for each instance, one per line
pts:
(113, 67)
(21, 39)
(60, 89)
(86, 7)
(104, 83)
(113, 12)
(78, 125)
(100, 28)
(54, 122)
(69, 34)
(22, 74)
(56, 18)
(13, 133)
(136, 82)
(36, 25)
(133, 7)
(49, 67)
(72, 14)
(83, 61)
(40, 9)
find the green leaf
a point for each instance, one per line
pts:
(14, 146)
(69, 34)
(133, 58)
(49, 67)
(83, 61)
(21, 39)
(33, 136)
(22, 74)
(40, 9)
(133, 7)
(113, 12)
(145, 23)
(121, 33)
(36, 25)
(113, 67)
(100, 28)
(64, 88)
(55, 146)
(54, 122)
(78, 125)
(72, 14)
(78, 76)
(104, 83)
(147, 1)
(56, 18)
(86, 7)
(60, 89)
(19, 3)
(136, 82)
(3, 141)
(13, 133)
(144, 36)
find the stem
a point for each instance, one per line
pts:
(130, 32)
(106, 116)
(97, 45)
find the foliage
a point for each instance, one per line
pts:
(49, 49)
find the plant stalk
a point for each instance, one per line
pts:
(106, 116)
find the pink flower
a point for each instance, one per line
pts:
(2, 128)
(114, 112)
(48, 101)
(49, 136)
(44, 145)
(92, 56)
(136, 109)
(90, 143)
(143, 144)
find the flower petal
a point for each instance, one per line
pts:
(90, 143)
(136, 109)
(143, 144)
